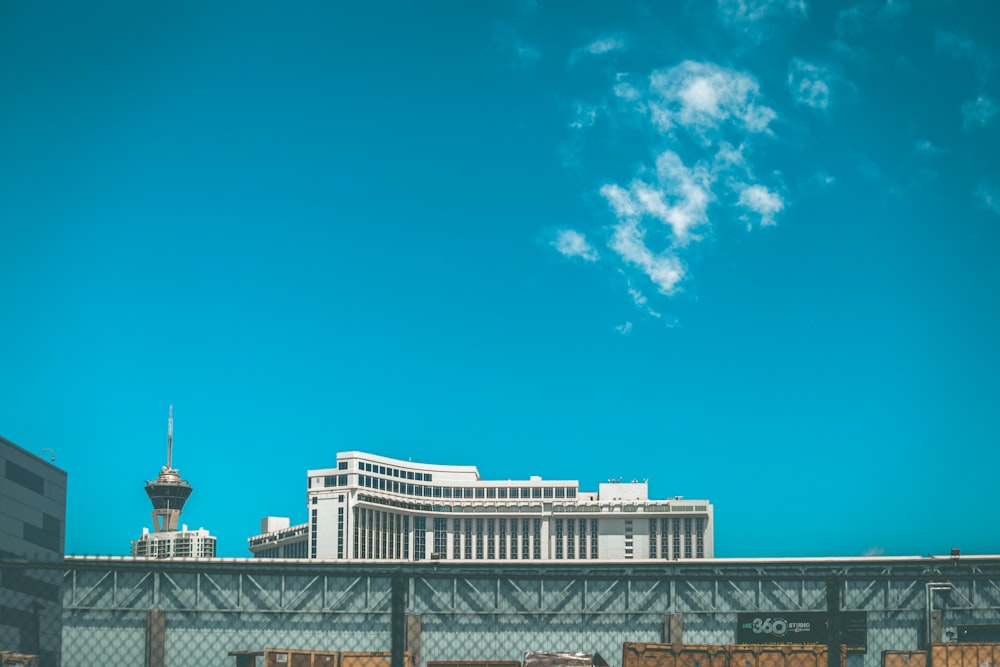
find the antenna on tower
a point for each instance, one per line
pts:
(170, 439)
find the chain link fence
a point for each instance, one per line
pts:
(163, 617)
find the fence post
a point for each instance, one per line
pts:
(833, 621)
(397, 622)
(156, 638)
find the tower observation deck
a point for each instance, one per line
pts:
(168, 492)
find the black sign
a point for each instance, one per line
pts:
(979, 633)
(803, 627)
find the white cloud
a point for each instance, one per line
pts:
(757, 19)
(989, 196)
(605, 45)
(757, 10)
(857, 19)
(962, 47)
(872, 552)
(509, 41)
(926, 147)
(624, 329)
(809, 84)
(762, 201)
(665, 269)
(679, 199)
(598, 47)
(703, 96)
(584, 116)
(572, 243)
(825, 179)
(664, 208)
(979, 112)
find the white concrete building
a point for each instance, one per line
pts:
(183, 543)
(373, 507)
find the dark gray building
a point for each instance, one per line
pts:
(32, 530)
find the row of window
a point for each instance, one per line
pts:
(389, 471)
(568, 546)
(658, 544)
(487, 493)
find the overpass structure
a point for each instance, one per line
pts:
(126, 611)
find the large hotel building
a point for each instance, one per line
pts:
(373, 507)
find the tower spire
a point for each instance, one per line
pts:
(170, 438)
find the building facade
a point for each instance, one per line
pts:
(183, 543)
(32, 530)
(376, 508)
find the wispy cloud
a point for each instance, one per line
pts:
(859, 18)
(666, 206)
(624, 329)
(599, 47)
(762, 201)
(809, 84)
(679, 199)
(824, 179)
(873, 552)
(988, 194)
(755, 19)
(664, 269)
(979, 112)
(584, 116)
(525, 55)
(962, 47)
(571, 243)
(926, 147)
(703, 96)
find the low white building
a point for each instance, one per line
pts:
(373, 507)
(181, 543)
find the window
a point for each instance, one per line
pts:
(447, 492)
(501, 493)
(491, 493)
(538, 539)
(419, 476)
(437, 491)
(513, 492)
(468, 539)
(536, 492)
(570, 539)
(330, 480)
(479, 539)
(524, 538)
(560, 492)
(490, 541)
(468, 493)
(480, 492)
(427, 477)
(342, 465)
(593, 539)
(440, 538)
(409, 474)
(419, 537)
(381, 470)
(342, 480)
(652, 538)
(548, 491)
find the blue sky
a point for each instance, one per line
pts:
(744, 249)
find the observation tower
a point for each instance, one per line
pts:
(168, 492)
